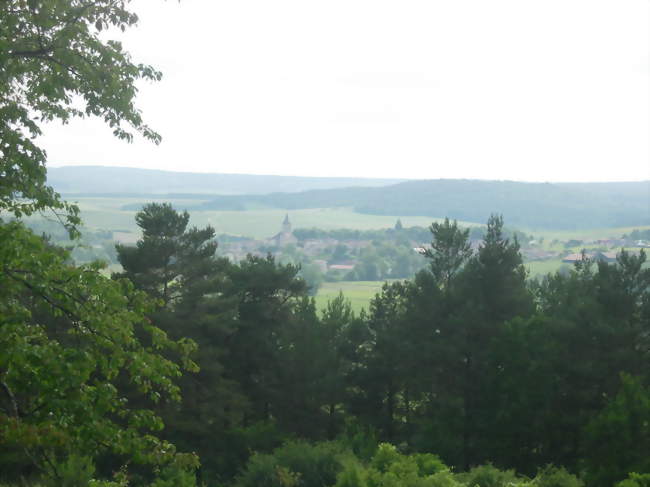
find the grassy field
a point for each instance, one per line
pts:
(588, 234)
(540, 268)
(107, 214)
(359, 293)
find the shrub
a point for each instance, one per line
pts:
(617, 440)
(385, 456)
(551, 476)
(429, 464)
(635, 480)
(389, 468)
(295, 463)
(488, 476)
(352, 476)
(360, 439)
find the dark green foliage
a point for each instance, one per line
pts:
(635, 480)
(441, 364)
(551, 476)
(488, 476)
(450, 250)
(78, 386)
(617, 440)
(55, 65)
(170, 261)
(295, 463)
(390, 468)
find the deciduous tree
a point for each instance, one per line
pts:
(56, 64)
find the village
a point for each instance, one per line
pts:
(396, 252)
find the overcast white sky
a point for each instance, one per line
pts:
(548, 90)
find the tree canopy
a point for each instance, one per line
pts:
(81, 365)
(56, 63)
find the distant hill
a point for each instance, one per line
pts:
(94, 180)
(559, 206)
(527, 205)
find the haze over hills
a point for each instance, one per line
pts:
(89, 180)
(530, 205)
(563, 206)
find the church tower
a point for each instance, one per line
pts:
(286, 224)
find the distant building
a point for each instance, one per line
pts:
(286, 224)
(605, 256)
(573, 258)
(595, 256)
(342, 267)
(285, 236)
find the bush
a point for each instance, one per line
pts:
(385, 456)
(635, 480)
(352, 476)
(488, 476)
(429, 464)
(617, 440)
(389, 468)
(295, 463)
(556, 477)
(360, 439)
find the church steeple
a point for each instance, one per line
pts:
(286, 224)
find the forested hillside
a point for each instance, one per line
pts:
(526, 205)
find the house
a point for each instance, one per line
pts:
(602, 256)
(342, 267)
(573, 258)
(605, 256)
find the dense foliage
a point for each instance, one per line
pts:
(54, 65)
(81, 365)
(480, 377)
(441, 364)
(468, 360)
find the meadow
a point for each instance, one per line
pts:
(359, 293)
(108, 214)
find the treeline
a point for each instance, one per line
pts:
(398, 232)
(417, 234)
(464, 366)
(468, 360)
(637, 234)
(527, 205)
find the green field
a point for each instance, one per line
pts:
(107, 214)
(359, 293)
(585, 234)
(540, 268)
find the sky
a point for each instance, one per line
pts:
(552, 90)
